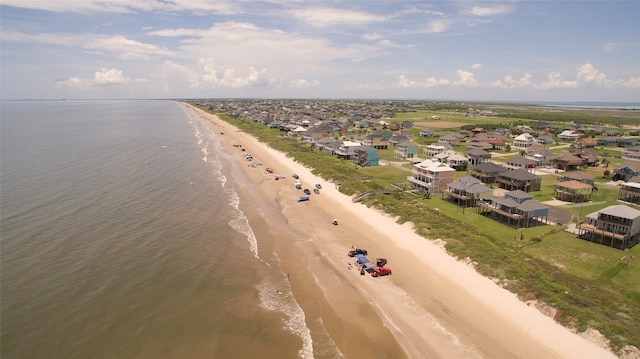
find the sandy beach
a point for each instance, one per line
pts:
(433, 306)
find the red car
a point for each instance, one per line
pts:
(379, 272)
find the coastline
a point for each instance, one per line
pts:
(432, 306)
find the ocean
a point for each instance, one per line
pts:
(123, 237)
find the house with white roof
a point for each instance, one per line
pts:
(524, 141)
(431, 176)
(348, 149)
(615, 226)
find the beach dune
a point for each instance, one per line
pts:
(433, 306)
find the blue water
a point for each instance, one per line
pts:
(122, 237)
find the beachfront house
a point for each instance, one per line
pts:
(431, 176)
(517, 208)
(615, 226)
(466, 191)
(366, 156)
(347, 150)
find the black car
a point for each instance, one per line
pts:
(357, 251)
(307, 191)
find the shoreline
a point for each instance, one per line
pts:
(433, 305)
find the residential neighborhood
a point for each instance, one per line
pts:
(497, 171)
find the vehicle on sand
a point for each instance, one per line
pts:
(381, 271)
(353, 253)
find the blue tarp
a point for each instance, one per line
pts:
(361, 258)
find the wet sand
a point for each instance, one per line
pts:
(433, 306)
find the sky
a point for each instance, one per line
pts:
(536, 51)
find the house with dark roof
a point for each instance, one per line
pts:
(366, 156)
(626, 170)
(477, 156)
(516, 208)
(467, 191)
(566, 162)
(487, 172)
(615, 226)
(573, 191)
(398, 138)
(519, 179)
(588, 155)
(427, 132)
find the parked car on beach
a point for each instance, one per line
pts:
(381, 271)
(307, 191)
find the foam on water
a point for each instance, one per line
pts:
(272, 298)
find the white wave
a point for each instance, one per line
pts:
(241, 225)
(271, 298)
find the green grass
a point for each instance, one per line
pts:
(590, 284)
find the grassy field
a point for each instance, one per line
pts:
(590, 285)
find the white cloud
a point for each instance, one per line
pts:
(589, 74)
(200, 7)
(465, 79)
(477, 66)
(371, 36)
(404, 82)
(554, 80)
(119, 47)
(125, 49)
(104, 77)
(632, 83)
(304, 84)
(325, 17)
(244, 45)
(488, 10)
(211, 75)
(509, 82)
(437, 26)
